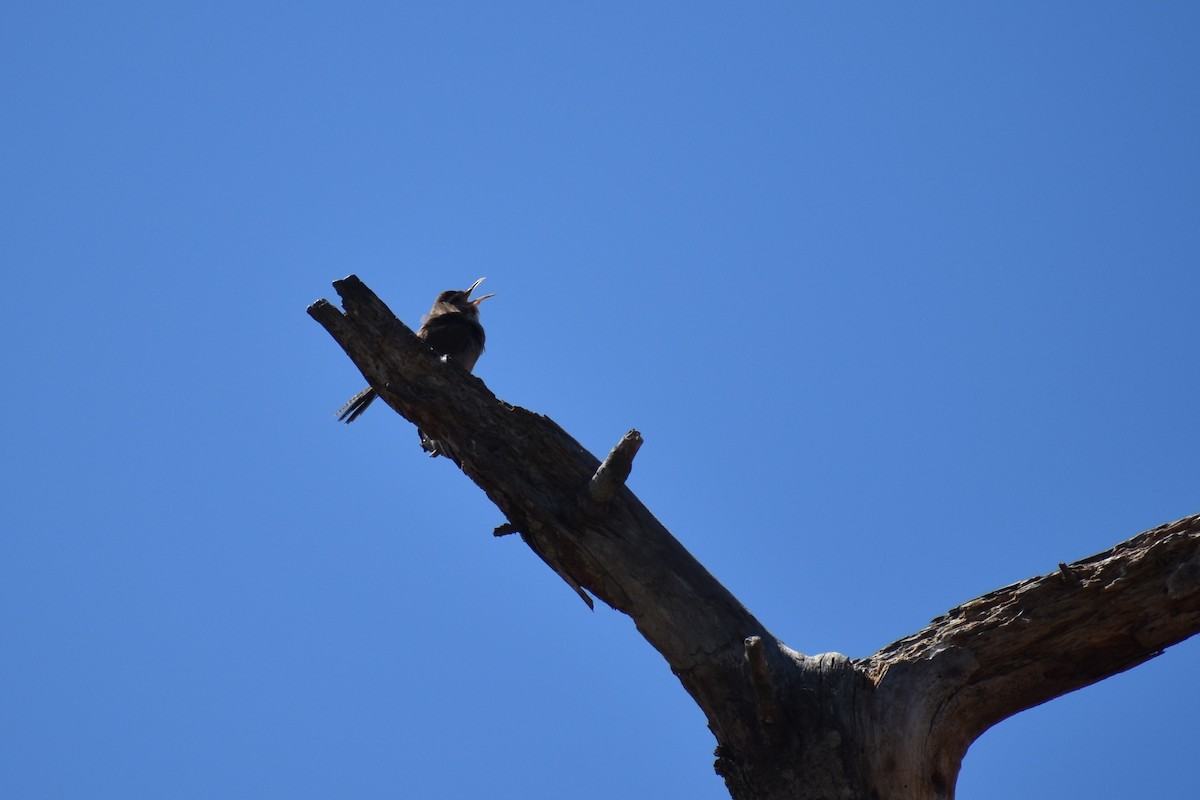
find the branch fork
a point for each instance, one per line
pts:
(894, 725)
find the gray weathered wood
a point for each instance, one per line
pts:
(892, 726)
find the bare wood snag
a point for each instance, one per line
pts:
(892, 726)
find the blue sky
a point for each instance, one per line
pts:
(901, 298)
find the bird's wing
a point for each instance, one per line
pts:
(456, 336)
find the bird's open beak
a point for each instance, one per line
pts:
(478, 300)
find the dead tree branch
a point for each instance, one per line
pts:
(894, 725)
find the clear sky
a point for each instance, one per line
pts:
(902, 297)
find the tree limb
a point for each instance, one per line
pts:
(1043, 637)
(894, 725)
(542, 480)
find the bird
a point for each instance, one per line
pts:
(451, 328)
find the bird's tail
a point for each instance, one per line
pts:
(356, 405)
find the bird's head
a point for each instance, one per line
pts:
(460, 300)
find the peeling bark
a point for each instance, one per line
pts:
(892, 726)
